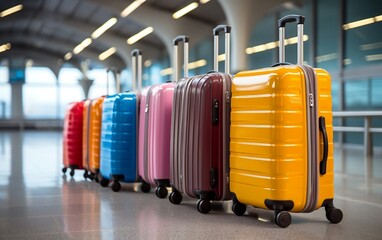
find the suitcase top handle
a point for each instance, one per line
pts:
(176, 42)
(227, 31)
(136, 66)
(300, 34)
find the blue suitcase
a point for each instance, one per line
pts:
(118, 153)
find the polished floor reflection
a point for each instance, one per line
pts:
(37, 202)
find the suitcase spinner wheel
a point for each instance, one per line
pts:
(71, 172)
(161, 192)
(116, 185)
(204, 206)
(238, 208)
(283, 219)
(175, 197)
(86, 174)
(64, 170)
(145, 187)
(334, 215)
(103, 181)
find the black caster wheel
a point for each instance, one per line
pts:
(64, 170)
(71, 173)
(145, 187)
(175, 198)
(283, 219)
(239, 208)
(161, 192)
(104, 182)
(334, 215)
(115, 186)
(86, 175)
(96, 178)
(91, 176)
(204, 206)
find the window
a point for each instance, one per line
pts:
(69, 88)
(328, 25)
(40, 93)
(363, 44)
(5, 93)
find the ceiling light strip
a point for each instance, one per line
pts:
(5, 47)
(11, 10)
(107, 53)
(129, 9)
(191, 65)
(140, 35)
(362, 22)
(272, 45)
(68, 56)
(104, 27)
(80, 47)
(185, 10)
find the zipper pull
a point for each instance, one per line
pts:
(147, 108)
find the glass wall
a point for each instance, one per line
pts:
(40, 94)
(5, 93)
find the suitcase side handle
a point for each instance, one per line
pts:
(227, 31)
(324, 160)
(176, 41)
(136, 66)
(300, 34)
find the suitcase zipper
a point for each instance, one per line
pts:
(311, 90)
(88, 135)
(146, 135)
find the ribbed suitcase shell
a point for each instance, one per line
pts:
(154, 134)
(119, 137)
(269, 142)
(92, 134)
(72, 136)
(199, 155)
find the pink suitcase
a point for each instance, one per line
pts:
(154, 134)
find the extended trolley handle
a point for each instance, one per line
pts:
(136, 63)
(300, 35)
(227, 31)
(117, 74)
(176, 42)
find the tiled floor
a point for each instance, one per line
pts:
(37, 202)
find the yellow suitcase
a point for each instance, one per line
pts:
(281, 148)
(92, 116)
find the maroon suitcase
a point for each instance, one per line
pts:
(200, 132)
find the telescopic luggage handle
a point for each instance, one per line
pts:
(300, 35)
(176, 42)
(136, 63)
(227, 31)
(117, 78)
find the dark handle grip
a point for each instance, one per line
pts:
(281, 64)
(324, 160)
(291, 18)
(218, 29)
(179, 39)
(136, 52)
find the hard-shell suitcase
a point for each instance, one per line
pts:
(92, 118)
(282, 138)
(119, 160)
(72, 137)
(154, 135)
(200, 133)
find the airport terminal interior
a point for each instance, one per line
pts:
(56, 52)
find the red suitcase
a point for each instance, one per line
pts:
(200, 132)
(72, 137)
